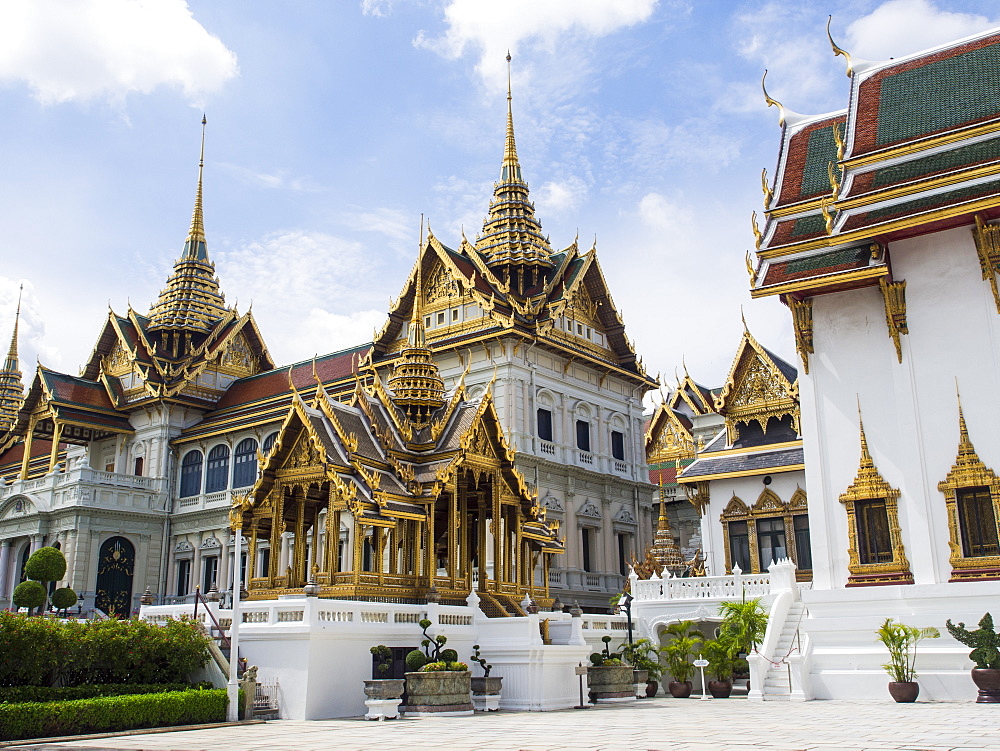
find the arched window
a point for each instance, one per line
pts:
(245, 463)
(217, 476)
(269, 443)
(191, 474)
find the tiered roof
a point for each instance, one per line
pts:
(917, 150)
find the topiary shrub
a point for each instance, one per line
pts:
(449, 655)
(46, 564)
(64, 598)
(29, 594)
(415, 660)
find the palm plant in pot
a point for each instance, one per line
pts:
(677, 655)
(985, 653)
(643, 656)
(721, 656)
(901, 641)
(745, 622)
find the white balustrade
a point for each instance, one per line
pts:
(701, 587)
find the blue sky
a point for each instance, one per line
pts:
(334, 125)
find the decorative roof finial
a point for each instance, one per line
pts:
(11, 385)
(416, 336)
(511, 169)
(195, 247)
(12, 352)
(837, 50)
(771, 102)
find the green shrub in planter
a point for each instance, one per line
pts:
(38, 720)
(415, 659)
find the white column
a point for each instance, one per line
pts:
(196, 565)
(36, 542)
(223, 575)
(4, 566)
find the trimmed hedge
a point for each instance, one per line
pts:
(21, 694)
(42, 651)
(112, 713)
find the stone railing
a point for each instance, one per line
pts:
(87, 476)
(701, 587)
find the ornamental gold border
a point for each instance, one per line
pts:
(767, 506)
(969, 471)
(870, 485)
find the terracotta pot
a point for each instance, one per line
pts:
(904, 691)
(680, 690)
(720, 689)
(987, 680)
(651, 688)
(610, 683)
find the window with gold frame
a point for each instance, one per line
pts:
(972, 497)
(875, 553)
(770, 529)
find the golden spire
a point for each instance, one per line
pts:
(511, 169)
(512, 236)
(11, 385)
(195, 247)
(664, 550)
(191, 301)
(415, 336)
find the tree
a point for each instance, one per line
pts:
(29, 594)
(64, 598)
(45, 565)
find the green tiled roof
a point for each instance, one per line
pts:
(984, 151)
(809, 225)
(941, 199)
(824, 260)
(822, 150)
(939, 95)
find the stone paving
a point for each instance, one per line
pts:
(660, 723)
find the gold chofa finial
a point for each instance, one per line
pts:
(771, 102)
(510, 170)
(837, 50)
(743, 318)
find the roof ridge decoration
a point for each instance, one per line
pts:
(837, 50)
(11, 383)
(512, 238)
(869, 485)
(966, 473)
(191, 302)
(987, 238)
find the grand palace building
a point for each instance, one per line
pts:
(489, 438)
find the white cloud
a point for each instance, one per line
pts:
(492, 28)
(277, 180)
(377, 8)
(33, 343)
(396, 224)
(901, 27)
(560, 196)
(322, 331)
(655, 143)
(106, 49)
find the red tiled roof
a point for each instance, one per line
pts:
(795, 165)
(66, 388)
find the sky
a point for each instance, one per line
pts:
(334, 125)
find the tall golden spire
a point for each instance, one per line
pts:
(191, 301)
(195, 246)
(415, 336)
(512, 241)
(511, 168)
(11, 385)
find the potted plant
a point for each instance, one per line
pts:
(643, 656)
(609, 679)
(677, 654)
(485, 689)
(746, 623)
(721, 656)
(437, 683)
(985, 653)
(901, 641)
(384, 693)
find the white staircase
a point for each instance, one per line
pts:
(777, 679)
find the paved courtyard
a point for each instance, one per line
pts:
(661, 723)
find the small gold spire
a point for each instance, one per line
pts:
(416, 336)
(12, 352)
(511, 169)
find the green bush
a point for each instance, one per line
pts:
(43, 651)
(39, 720)
(29, 594)
(415, 660)
(64, 598)
(46, 564)
(21, 694)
